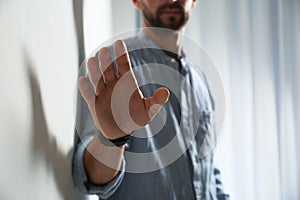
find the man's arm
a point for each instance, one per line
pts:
(114, 117)
(97, 154)
(79, 172)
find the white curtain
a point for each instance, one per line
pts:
(255, 45)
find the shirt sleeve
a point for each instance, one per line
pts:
(80, 177)
(219, 186)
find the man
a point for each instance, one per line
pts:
(105, 160)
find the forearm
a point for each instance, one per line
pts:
(102, 163)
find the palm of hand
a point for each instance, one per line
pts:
(118, 106)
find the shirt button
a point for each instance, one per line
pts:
(173, 60)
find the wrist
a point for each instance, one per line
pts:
(119, 141)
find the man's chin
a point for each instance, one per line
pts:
(174, 24)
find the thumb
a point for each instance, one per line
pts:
(159, 98)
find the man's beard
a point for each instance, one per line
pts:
(155, 20)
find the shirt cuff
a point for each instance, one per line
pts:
(80, 176)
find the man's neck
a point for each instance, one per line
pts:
(166, 39)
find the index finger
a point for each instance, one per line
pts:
(122, 58)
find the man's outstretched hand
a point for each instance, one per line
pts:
(118, 106)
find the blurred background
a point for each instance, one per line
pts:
(255, 45)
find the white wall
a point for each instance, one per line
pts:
(123, 16)
(39, 56)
